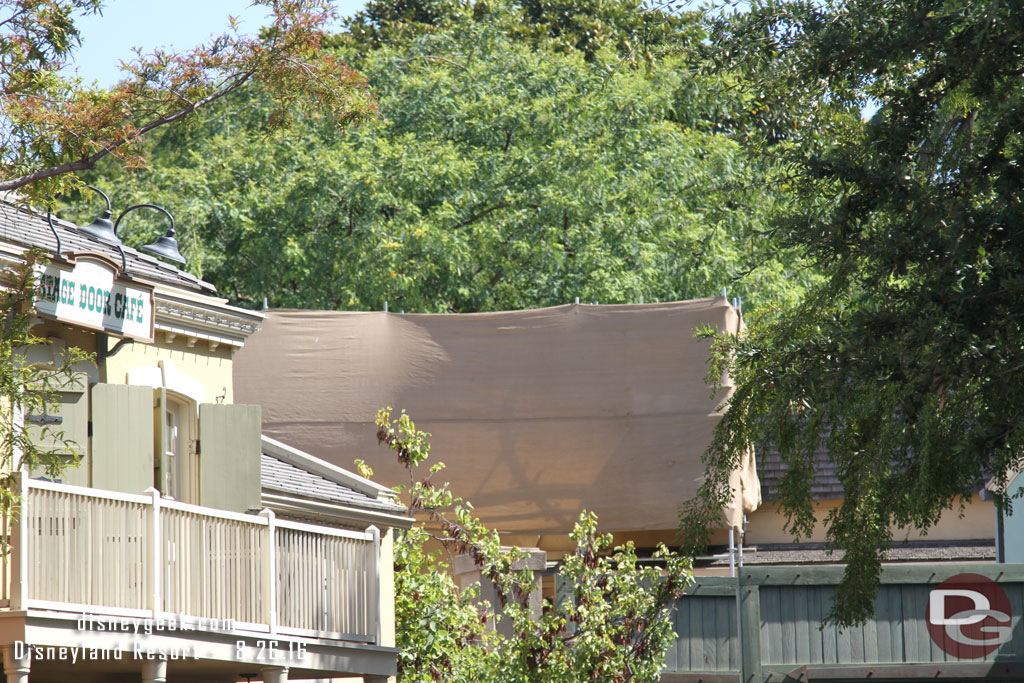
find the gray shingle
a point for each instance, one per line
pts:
(286, 478)
(31, 229)
(912, 551)
(770, 470)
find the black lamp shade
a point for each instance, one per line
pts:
(102, 229)
(165, 246)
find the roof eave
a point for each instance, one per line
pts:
(334, 511)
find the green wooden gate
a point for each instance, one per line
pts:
(765, 626)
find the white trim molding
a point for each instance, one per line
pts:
(205, 318)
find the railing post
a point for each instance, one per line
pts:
(376, 583)
(750, 630)
(19, 539)
(155, 555)
(270, 569)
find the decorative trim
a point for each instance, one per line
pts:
(218, 323)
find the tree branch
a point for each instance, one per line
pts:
(481, 214)
(439, 59)
(90, 161)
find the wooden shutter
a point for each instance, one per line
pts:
(229, 456)
(68, 420)
(122, 437)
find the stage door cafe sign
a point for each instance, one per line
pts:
(87, 292)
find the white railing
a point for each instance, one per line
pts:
(91, 551)
(326, 590)
(212, 564)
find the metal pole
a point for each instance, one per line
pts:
(732, 551)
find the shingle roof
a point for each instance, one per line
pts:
(284, 477)
(770, 470)
(911, 551)
(29, 228)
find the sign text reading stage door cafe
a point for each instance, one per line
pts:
(88, 293)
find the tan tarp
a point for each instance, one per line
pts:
(537, 414)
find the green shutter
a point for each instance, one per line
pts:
(122, 437)
(229, 456)
(72, 411)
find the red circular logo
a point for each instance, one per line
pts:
(968, 616)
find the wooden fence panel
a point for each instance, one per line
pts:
(706, 623)
(768, 624)
(707, 630)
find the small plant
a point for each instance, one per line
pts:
(29, 388)
(614, 627)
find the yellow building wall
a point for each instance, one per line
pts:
(72, 336)
(387, 588)
(210, 367)
(765, 525)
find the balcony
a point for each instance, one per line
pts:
(227, 593)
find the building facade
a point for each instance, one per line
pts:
(157, 557)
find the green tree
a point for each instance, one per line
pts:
(29, 388)
(615, 627)
(907, 362)
(53, 126)
(626, 29)
(498, 176)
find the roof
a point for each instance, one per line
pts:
(826, 484)
(285, 478)
(294, 473)
(911, 551)
(30, 228)
(770, 470)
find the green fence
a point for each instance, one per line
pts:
(765, 626)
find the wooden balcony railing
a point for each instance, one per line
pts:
(90, 551)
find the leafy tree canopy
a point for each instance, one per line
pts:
(498, 176)
(907, 362)
(625, 28)
(52, 125)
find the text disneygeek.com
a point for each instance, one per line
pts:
(138, 626)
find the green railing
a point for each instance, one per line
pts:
(766, 626)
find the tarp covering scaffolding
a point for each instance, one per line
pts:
(537, 414)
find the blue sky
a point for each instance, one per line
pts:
(180, 24)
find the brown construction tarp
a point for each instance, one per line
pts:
(538, 414)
